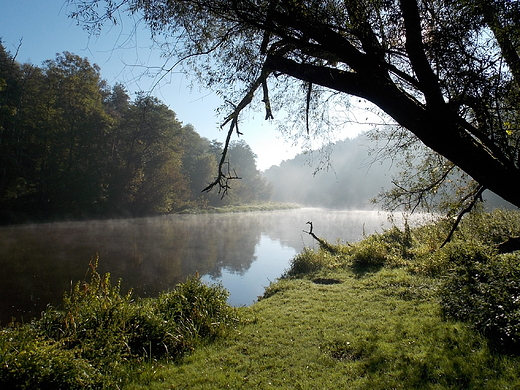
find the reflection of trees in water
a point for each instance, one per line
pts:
(38, 262)
(231, 243)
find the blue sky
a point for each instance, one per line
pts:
(123, 52)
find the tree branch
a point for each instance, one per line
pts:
(476, 197)
(335, 79)
(415, 49)
(222, 179)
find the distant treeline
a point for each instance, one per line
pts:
(72, 146)
(343, 176)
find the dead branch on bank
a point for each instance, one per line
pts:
(323, 243)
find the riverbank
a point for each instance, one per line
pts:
(262, 206)
(361, 316)
(382, 313)
(21, 219)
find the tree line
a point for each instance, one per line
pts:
(73, 146)
(344, 177)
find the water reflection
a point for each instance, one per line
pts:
(246, 285)
(244, 251)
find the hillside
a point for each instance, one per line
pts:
(346, 178)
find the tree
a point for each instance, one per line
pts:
(147, 174)
(252, 186)
(75, 129)
(52, 135)
(71, 147)
(447, 71)
(199, 163)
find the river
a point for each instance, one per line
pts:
(243, 251)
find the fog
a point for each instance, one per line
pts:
(244, 251)
(344, 177)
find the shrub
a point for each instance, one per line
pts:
(151, 336)
(29, 361)
(94, 319)
(389, 248)
(491, 228)
(200, 311)
(98, 331)
(484, 290)
(306, 262)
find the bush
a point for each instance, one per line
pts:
(390, 248)
(28, 361)
(491, 228)
(98, 331)
(484, 290)
(151, 336)
(306, 262)
(200, 311)
(94, 320)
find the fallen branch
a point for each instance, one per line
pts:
(323, 243)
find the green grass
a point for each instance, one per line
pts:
(390, 312)
(382, 330)
(364, 316)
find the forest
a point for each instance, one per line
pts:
(72, 146)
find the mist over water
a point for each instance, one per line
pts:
(243, 251)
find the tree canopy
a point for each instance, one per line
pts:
(72, 146)
(447, 71)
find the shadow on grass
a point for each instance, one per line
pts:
(361, 270)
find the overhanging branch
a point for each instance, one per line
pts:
(223, 178)
(335, 79)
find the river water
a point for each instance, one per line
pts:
(243, 251)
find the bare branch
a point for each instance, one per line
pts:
(223, 178)
(477, 195)
(308, 105)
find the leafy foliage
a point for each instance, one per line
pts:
(99, 331)
(484, 290)
(71, 146)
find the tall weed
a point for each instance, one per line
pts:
(99, 331)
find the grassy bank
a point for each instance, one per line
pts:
(391, 312)
(262, 206)
(373, 315)
(375, 331)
